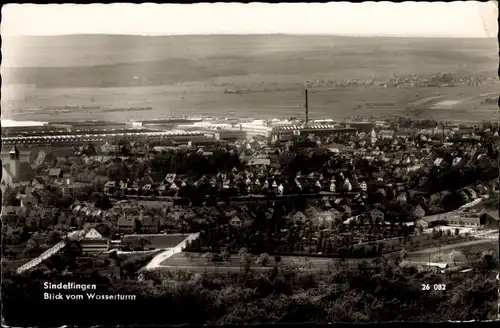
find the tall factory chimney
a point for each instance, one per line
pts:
(442, 132)
(307, 107)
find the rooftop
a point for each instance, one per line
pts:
(11, 123)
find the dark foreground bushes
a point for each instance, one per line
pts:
(380, 292)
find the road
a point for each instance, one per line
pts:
(45, 255)
(229, 268)
(158, 259)
(132, 252)
(75, 235)
(323, 266)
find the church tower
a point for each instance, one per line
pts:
(373, 137)
(14, 163)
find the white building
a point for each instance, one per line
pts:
(256, 128)
(135, 124)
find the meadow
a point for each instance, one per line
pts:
(188, 75)
(443, 254)
(196, 262)
(156, 241)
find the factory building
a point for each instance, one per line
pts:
(365, 127)
(74, 139)
(284, 132)
(231, 135)
(256, 128)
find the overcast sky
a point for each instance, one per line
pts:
(456, 19)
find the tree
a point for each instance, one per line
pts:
(95, 196)
(277, 259)
(456, 256)
(90, 150)
(243, 254)
(55, 237)
(103, 203)
(72, 251)
(438, 257)
(142, 242)
(32, 248)
(225, 255)
(263, 259)
(208, 256)
(403, 254)
(488, 260)
(9, 197)
(306, 263)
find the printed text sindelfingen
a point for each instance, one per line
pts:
(69, 286)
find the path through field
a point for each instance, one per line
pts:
(157, 260)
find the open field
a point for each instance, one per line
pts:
(158, 241)
(185, 75)
(444, 251)
(462, 102)
(196, 262)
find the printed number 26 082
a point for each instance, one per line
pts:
(433, 287)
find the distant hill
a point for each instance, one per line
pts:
(114, 61)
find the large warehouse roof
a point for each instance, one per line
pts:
(11, 123)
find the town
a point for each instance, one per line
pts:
(212, 196)
(307, 187)
(283, 164)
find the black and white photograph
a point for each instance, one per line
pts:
(240, 164)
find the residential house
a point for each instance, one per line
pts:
(38, 183)
(406, 133)
(326, 218)
(458, 220)
(347, 210)
(238, 223)
(170, 178)
(481, 189)
(465, 198)
(377, 215)
(94, 242)
(422, 223)
(126, 223)
(150, 223)
(298, 217)
(109, 187)
(434, 220)
(418, 212)
(30, 198)
(471, 192)
(259, 162)
(55, 174)
(386, 134)
(10, 210)
(11, 233)
(489, 219)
